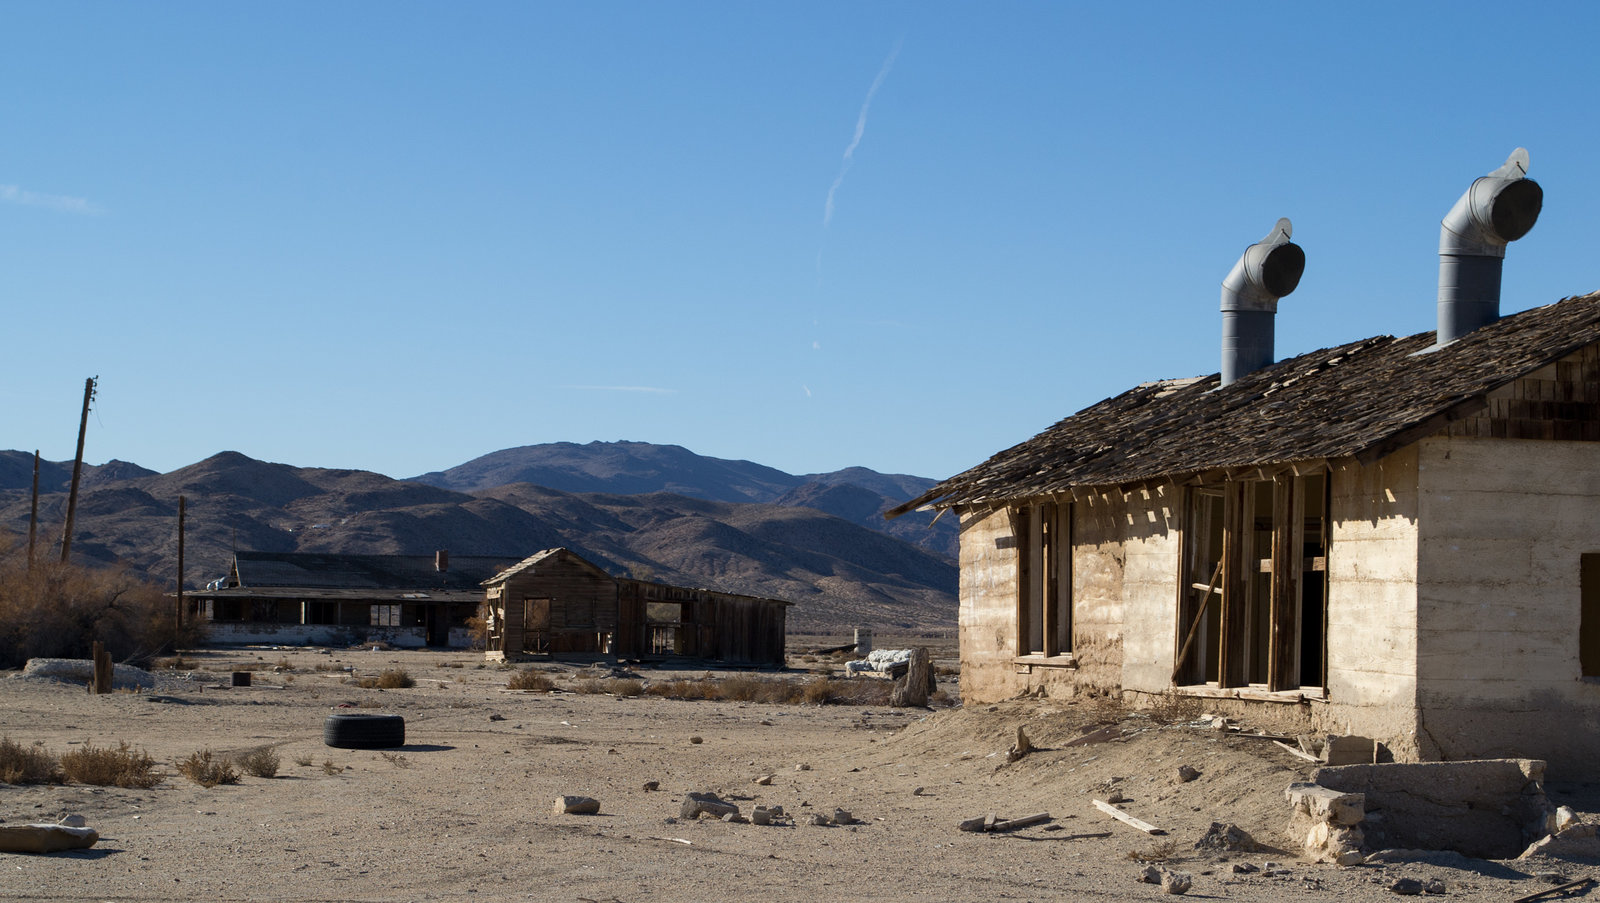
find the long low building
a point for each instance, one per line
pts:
(296, 598)
(552, 602)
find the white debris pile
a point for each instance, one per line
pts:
(881, 663)
(81, 671)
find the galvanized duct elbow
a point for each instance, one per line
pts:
(1498, 209)
(1266, 271)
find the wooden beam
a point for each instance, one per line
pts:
(1127, 819)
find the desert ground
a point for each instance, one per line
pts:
(464, 810)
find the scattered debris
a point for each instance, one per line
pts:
(46, 838)
(1126, 819)
(765, 780)
(1023, 746)
(650, 786)
(1102, 735)
(1226, 838)
(1406, 887)
(1187, 773)
(696, 804)
(1560, 889)
(1171, 882)
(577, 805)
(1297, 753)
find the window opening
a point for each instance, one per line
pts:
(1044, 579)
(1253, 588)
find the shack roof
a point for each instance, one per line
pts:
(1362, 400)
(362, 572)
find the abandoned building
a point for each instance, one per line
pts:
(301, 597)
(1396, 537)
(558, 602)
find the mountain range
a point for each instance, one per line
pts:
(651, 511)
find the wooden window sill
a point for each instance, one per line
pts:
(1040, 661)
(1254, 693)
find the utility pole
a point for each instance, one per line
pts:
(182, 505)
(77, 469)
(33, 513)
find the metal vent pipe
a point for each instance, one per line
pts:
(1266, 271)
(1498, 209)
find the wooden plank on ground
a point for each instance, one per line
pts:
(1126, 819)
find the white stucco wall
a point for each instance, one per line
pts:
(1504, 523)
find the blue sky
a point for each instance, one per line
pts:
(395, 236)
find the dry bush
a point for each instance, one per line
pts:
(28, 764)
(1167, 708)
(328, 767)
(261, 762)
(303, 761)
(103, 766)
(396, 759)
(680, 689)
(56, 610)
(530, 680)
(862, 691)
(615, 686)
(393, 679)
(1161, 852)
(742, 688)
(208, 770)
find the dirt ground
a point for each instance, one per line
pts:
(464, 810)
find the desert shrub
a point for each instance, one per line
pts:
(395, 679)
(103, 766)
(329, 767)
(616, 686)
(742, 688)
(680, 689)
(28, 764)
(396, 759)
(261, 762)
(530, 680)
(208, 770)
(1164, 708)
(303, 761)
(56, 610)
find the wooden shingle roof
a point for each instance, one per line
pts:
(1362, 400)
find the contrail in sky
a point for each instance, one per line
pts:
(12, 194)
(861, 128)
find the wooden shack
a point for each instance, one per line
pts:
(1391, 538)
(557, 602)
(658, 619)
(551, 602)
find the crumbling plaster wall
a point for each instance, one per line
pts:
(1150, 542)
(1503, 525)
(1372, 602)
(1124, 564)
(988, 607)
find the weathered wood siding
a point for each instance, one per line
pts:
(1504, 525)
(583, 605)
(728, 627)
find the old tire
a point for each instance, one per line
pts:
(361, 731)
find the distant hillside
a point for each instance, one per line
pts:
(839, 573)
(856, 494)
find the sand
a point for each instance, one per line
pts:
(464, 810)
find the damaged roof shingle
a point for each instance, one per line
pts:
(1364, 399)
